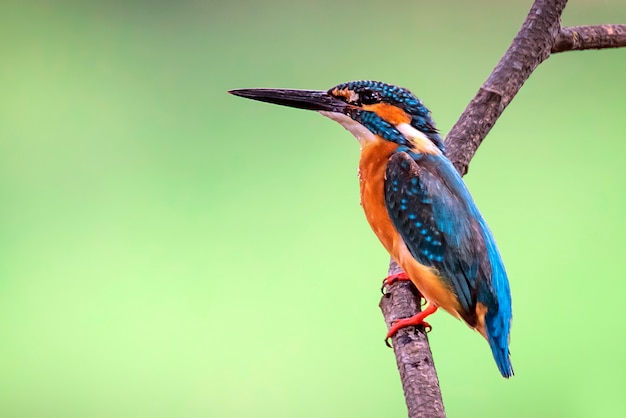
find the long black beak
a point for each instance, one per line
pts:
(302, 99)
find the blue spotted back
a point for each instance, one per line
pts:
(441, 226)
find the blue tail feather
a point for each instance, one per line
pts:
(498, 337)
(499, 309)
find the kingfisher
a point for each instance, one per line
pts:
(417, 204)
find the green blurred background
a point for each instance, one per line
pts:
(169, 250)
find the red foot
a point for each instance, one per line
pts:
(389, 280)
(414, 320)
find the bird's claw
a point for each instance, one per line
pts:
(391, 279)
(427, 328)
(387, 343)
(416, 320)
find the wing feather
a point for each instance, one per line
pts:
(432, 213)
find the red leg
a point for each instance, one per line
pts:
(389, 280)
(414, 320)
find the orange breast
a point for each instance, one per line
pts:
(372, 166)
(374, 157)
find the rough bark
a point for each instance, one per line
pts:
(578, 38)
(540, 35)
(530, 47)
(413, 356)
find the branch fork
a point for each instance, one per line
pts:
(540, 36)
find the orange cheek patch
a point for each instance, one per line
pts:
(390, 113)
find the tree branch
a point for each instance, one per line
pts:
(413, 356)
(578, 38)
(539, 36)
(530, 47)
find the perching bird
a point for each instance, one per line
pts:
(417, 204)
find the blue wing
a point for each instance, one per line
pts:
(437, 218)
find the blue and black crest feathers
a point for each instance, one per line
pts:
(398, 96)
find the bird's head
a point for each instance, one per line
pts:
(370, 110)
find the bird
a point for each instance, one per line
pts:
(417, 205)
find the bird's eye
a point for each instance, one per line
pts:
(370, 97)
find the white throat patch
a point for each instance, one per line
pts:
(418, 138)
(362, 134)
(420, 141)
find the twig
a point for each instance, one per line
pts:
(539, 36)
(578, 38)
